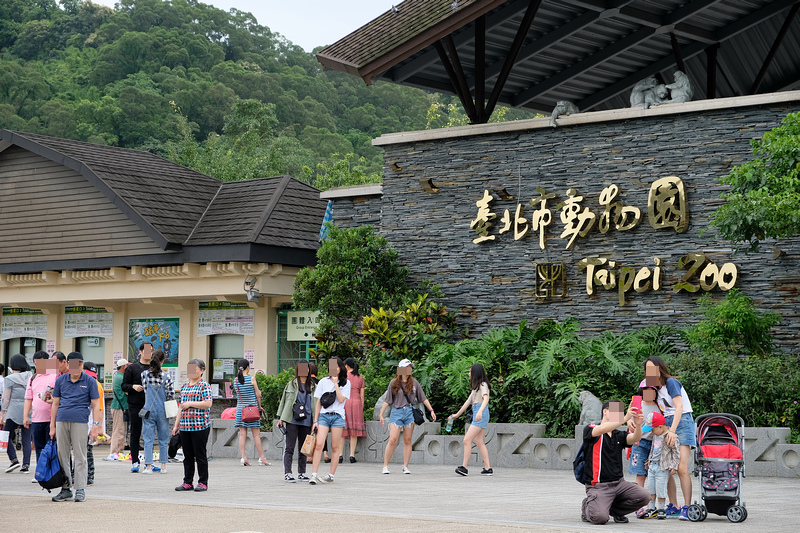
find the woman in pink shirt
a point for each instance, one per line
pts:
(38, 397)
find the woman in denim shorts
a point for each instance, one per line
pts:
(330, 418)
(403, 393)
(674, 402)
(478, 402)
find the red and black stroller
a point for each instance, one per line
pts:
(719, 461)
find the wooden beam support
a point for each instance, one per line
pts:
(466, 100)
(511, 57)
(711, 71)
(676, 51)
(774, 50)
(480, 68)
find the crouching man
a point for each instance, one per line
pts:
(607, 492)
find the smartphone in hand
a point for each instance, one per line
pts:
(636, 401)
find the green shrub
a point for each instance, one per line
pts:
(271, 388)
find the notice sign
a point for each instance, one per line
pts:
(23, 322)
(84, 321)
(300, 325)
(214, 318)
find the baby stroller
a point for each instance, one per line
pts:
(719, 460)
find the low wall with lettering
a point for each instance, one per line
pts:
(509, 445)
(599, 219)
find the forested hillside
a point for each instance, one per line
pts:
(210, 89)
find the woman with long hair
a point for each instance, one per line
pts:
(296, 412)
(194, 423)
(402, 394)
(330, 416)
(478, 401)
(11, 411)
(674, 403)
(248, 393)
(42, 383)
(354, 408)
(158, 388)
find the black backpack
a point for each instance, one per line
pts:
(578, 466)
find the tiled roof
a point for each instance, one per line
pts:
(179, 207)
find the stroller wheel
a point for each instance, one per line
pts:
(704, 513)
(737, 513)
(694, 513)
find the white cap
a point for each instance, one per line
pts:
(405, 362)
(121, 362)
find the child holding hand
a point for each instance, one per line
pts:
(661, 464)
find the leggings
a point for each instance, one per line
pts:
(295, 434)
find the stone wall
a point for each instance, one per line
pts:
(494, 283)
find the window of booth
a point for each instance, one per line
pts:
(225, 350)
(93, 349)
(290, 352)
(27, 346)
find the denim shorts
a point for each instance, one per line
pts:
(401, 417)
(685, 430)
(331, 420)
(484, 416)
(639, 455)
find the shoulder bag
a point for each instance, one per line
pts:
(124, 411)
(144, 412)
(419, 419)
(250, 413)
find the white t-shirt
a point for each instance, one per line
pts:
(666, 393)
(327, 385)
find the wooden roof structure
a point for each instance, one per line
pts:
(532, 53)
(190, 216)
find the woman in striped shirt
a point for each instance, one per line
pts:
(248, 394)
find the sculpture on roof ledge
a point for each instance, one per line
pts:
(563, 108)
(649, 92)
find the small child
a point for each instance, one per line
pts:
(661, 464)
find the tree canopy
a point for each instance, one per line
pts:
(200, 85)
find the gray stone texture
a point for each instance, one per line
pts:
(492, 284)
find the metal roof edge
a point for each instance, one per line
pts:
(587, 118)
(372, 189)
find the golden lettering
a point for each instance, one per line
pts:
(589, 264)
(551, 280)
(642, 281)
(624, 217)
(666, 204)
(728, 276)
(482, 224)
(577, 222)
(543, 216)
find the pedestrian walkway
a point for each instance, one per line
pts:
(432, 498)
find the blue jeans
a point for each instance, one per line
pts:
(656, 482)
(484, 416)
(685, 430)
(639, 455)
(331, 420)
(11, 427)
(401, 417)
(155, 424)
(41, 434)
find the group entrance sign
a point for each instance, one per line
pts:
(300, 325)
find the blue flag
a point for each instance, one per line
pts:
(323, 231)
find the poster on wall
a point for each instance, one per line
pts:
(300, 325)
(22, 322)
(214, 318)
(85, 321)
(161, 332)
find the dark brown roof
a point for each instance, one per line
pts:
(589, 52)
(185, 210)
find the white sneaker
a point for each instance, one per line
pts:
(327, 478)
(385, 470)
(163, 469)
(406, 470)
(314, 479)
(34, 480)
(147, 471)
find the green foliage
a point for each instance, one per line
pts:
(343, 172)
(733, 326)
(356, 271)
(764, 200)
(271, 388)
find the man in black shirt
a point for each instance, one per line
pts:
(607, 492)
(132, 385)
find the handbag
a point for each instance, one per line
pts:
(299, 411)
(144, 412)
(171, 408)
(309, 444)
(327, 399)
(419, 418)
(250, 413)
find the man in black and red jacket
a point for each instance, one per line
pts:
(132, 385)
(607, 492)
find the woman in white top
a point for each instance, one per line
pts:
(478, 401)
(330, 417)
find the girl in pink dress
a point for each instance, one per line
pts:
(354, 407)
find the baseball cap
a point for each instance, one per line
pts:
(653, 420)
(121, 362)
(75, 355)
(405, 363)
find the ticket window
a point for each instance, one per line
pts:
(225, 350)
(93, 349)
(27, 346)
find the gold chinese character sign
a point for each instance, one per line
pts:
(551, 280)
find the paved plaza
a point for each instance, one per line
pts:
(432, 498)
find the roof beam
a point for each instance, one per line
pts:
(610, 51)
(722, 34)
(511, 57)
(774, 50)
(429, 57)
(480, 68)
(458, 85)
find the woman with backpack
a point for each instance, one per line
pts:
(403, 393)
(296, 412)
(248, 394)
(158, 388)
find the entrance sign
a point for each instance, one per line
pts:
(85, 321)
(22, 322)
(300, 325)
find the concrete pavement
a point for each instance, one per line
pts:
(432, 498)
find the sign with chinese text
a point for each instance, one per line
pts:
(300, 325)
(23, 322)
(214, 318)
(84, 321)
(161, 332)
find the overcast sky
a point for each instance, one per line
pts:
(307, 23)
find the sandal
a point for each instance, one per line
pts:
(264, 462)
(244, 462)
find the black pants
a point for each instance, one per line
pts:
(194, 449)
(136, 431)
(295, 434)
